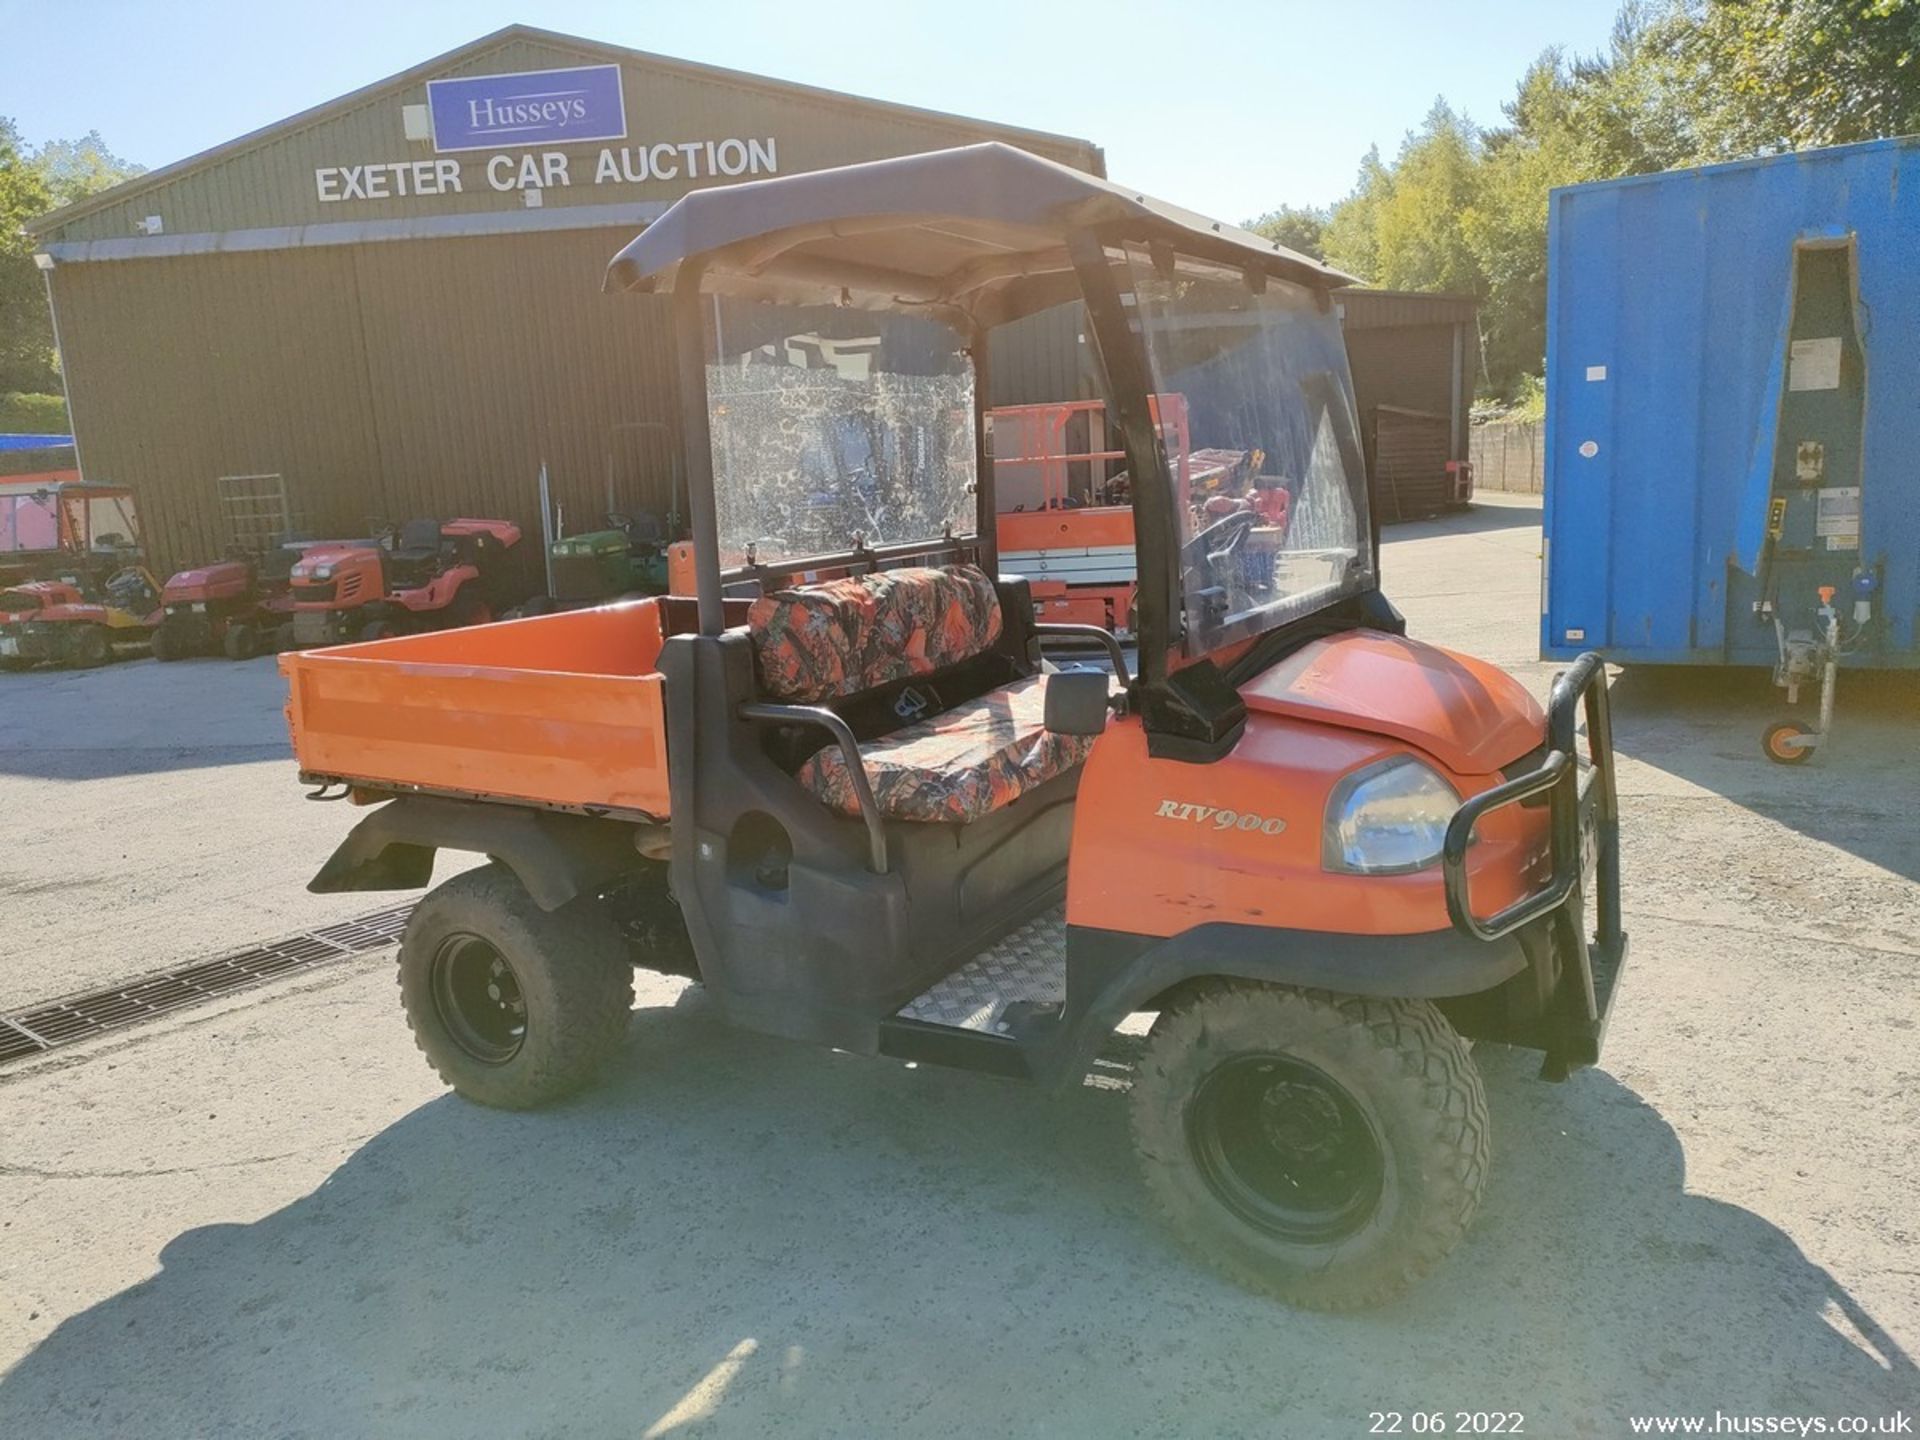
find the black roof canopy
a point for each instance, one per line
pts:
(980, 230)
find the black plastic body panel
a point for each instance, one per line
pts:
(795, 934)
(1110, 974)
(557, 857)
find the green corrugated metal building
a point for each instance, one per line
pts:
(393, 300)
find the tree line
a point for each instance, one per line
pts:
(1463, 208)
(34, 180)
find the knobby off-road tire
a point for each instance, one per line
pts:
(567, 970)
(1394, 1069)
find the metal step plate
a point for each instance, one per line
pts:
(1030, 965)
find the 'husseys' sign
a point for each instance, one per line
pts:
(535, 107)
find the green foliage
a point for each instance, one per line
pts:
(1529, 400)
(1296, 227)
(32, 182)
(26, 341)
(1681, 82)
(72, 169)
(33, 415)
(1792, 74)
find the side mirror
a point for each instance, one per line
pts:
(1077, 702)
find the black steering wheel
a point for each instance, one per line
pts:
(1210, 552)
(1220, 541)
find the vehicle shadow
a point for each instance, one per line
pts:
(119, 720)
(1479, 517)
(744, 1236)
(1704, 726)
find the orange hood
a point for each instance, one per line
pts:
(1470, 716)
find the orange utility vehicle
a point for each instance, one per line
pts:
(852, 803)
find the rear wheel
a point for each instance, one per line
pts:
(1776, 739)
(513, 1005)
(90, 648)
(1329, 1150)
(241, 642)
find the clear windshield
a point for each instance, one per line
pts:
(1269, 489)
(833, 428)
(110, 522)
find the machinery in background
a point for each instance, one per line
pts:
(238, 607)
(423, 575)
(73, 622)
(66, 529)
(627, 559)
(1065, 518)
(1735, 484)
(74, 591)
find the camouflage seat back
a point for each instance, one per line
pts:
(838, 638)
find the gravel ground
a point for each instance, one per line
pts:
(265, 1218)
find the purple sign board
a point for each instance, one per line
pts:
(537, 107)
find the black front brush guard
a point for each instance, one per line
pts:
(1584, 834)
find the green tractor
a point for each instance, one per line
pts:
(629, 557)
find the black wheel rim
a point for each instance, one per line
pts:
(1286, 1148)
(479, 999)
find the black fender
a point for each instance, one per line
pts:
(556, 857)
(1111, 974)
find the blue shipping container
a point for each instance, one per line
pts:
(1733, 408)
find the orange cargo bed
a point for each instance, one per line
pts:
(562, 711)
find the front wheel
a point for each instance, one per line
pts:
(241, 642)
(1328, 1150)
(167, 644)
(513, 1005)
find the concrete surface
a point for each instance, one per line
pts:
(152, 817)
(265, 1218)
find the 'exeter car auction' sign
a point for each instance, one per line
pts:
(534, 107)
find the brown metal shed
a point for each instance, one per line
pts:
(1413, 356)
(400, 325)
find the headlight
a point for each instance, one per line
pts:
(323, 572)
(1388, 819)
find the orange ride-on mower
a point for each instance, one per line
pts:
(423, 575)
(71, 622)
(841, 786)
(238, 607)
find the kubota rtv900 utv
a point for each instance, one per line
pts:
(851, 801)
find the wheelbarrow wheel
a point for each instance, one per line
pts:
(1776, 742)
(1328, 1150)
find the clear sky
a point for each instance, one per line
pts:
(1228, 106)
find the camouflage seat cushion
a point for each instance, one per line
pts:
(962, 764)
(822, 642)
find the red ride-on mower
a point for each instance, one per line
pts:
(237, 607)
(67, 621)
(423, 575)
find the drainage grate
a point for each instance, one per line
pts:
(61, 1022)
